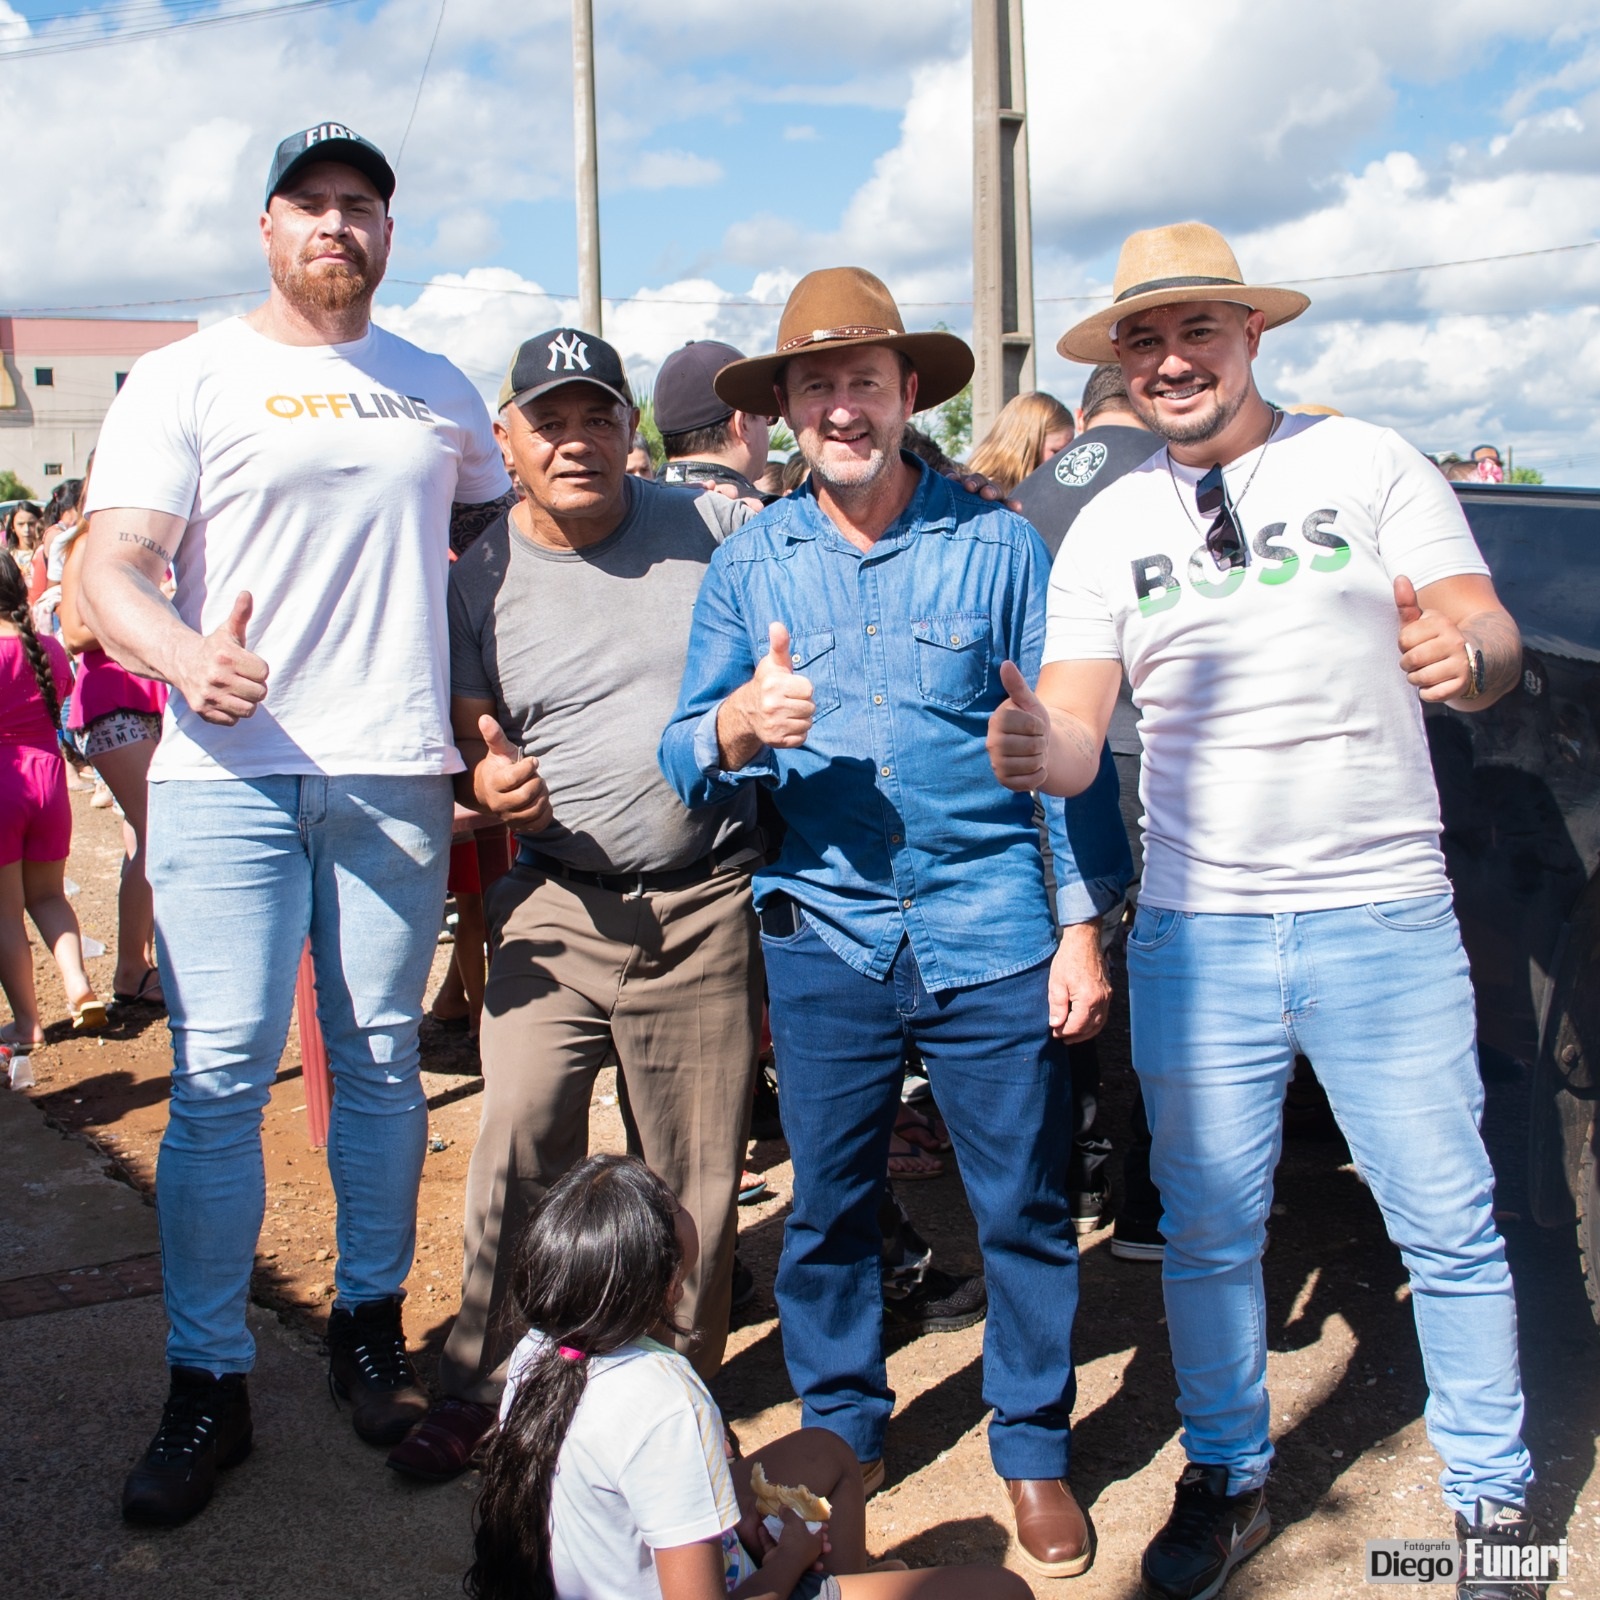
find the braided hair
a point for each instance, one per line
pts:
(14, 608)
(593, 1272)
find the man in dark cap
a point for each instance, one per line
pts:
(707, 440)
(626, 924)
(303, 473)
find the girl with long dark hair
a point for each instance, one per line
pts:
(607, 1477)
(35, 820)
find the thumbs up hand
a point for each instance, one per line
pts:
(1019, 733)
(782, 706)
(1433, 652)
(219, 677)
(507, 784)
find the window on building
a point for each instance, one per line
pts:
(122, 378)
(52, 469)
(44, 377)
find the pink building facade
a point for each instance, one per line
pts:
(58, 376)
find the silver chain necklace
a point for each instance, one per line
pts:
(1172, 477)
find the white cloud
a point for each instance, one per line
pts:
(801, 133)
(674, 169)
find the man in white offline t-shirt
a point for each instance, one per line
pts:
(1283, 593)
(302, 472)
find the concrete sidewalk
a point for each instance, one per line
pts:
(313, 1513)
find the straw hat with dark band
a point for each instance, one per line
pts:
(1172, 266)
(835, 308)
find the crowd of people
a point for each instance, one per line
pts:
(822, 749)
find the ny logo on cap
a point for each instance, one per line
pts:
(570, 348)
(328, 130)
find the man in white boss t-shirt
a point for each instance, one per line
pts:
(1284, 593)
(303, 473)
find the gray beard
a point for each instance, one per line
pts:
(886, 452)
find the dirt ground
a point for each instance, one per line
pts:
(1353, 1460)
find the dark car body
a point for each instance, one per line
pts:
(1519, 790)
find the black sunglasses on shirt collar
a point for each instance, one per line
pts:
(1225, 539)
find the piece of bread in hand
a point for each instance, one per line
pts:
(771, 1498)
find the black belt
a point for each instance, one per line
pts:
(635, 885)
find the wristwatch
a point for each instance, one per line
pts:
(1474, 672)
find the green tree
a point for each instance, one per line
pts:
(1524, 475)
(950, 424)
(781, 440)
(649, 432)
(13, 488)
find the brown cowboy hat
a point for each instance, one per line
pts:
(1172, 266)
(830, 310)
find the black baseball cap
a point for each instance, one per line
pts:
(330, 141)
(559, 356)
(684, 397)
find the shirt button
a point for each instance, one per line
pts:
(872, 627)
(894, 838)
(905, 905)
(955, 638)
(884, 771)
(877, 699)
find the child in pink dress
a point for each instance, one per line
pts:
(35, 820)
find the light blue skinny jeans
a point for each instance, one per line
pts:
(1379, 998)
(243, 870)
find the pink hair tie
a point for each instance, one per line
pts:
(571, 1354)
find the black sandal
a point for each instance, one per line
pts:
(142, 996)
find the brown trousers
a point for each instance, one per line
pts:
(671, 982)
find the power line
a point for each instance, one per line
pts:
(427, 61)
(744, 303)
(83, 34)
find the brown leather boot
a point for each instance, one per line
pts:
(1054, 1533)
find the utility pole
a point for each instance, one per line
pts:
(1002, 215)
(588, 176)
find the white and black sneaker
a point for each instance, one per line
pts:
(1491, 1553)
(1208, 1534)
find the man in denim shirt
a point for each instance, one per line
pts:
(846, 651)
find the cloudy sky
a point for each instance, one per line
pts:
(744, 143)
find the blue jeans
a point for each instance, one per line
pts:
(840, 1039)
(242, 871)
(1379, 998)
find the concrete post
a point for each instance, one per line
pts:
(1002, 216)
(588, 163)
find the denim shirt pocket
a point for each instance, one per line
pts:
(953, 659)
(812, 653)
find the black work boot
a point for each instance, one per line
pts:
(1491, 1553)
(205, 1426)
(1208, 1534)
(368, 1365)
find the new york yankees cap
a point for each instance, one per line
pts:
(685, 399)
(330, 141)
(559, 356)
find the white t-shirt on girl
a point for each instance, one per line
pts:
(1285, 763)
(642, 1469)
(320, 479)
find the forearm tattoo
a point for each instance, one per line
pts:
(139, 539)
(1495, 634)
(467, 522)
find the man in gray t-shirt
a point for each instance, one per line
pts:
(626, 924)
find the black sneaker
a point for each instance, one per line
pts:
(1208, 1534)
(1492, 1544)
(1088, 1208)
(940, 1303)
(1138, 1238)
(368, 1364)
(205, 1426)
